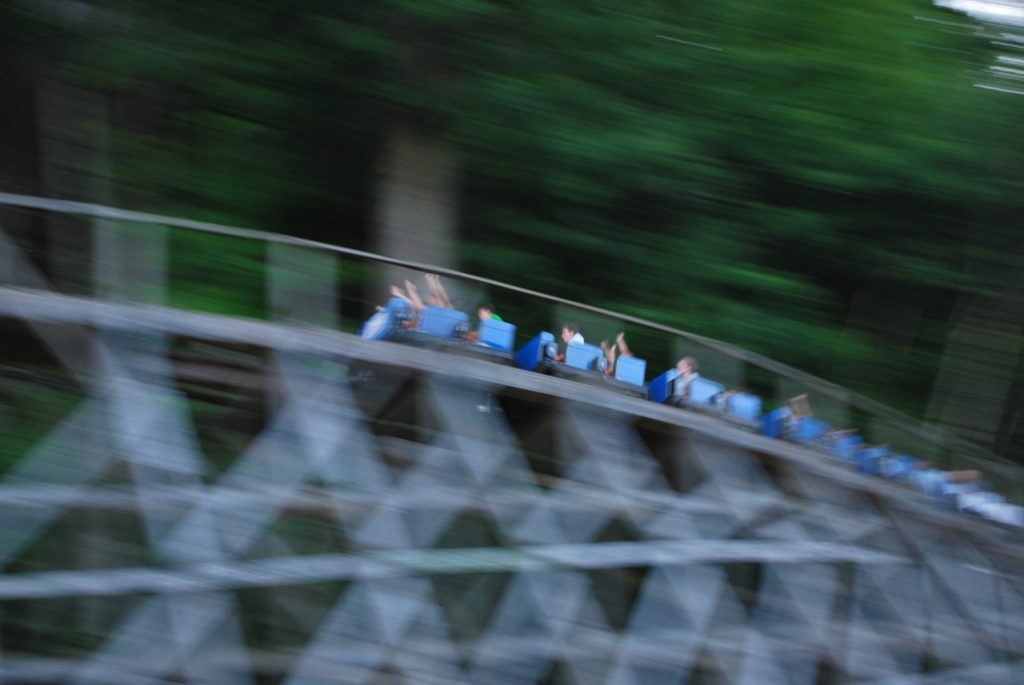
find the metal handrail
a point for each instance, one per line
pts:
(932, 434)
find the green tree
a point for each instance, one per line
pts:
(797, 177)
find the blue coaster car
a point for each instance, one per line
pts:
(498, 335)
(442, 322)
(585, 363)
(385, 323)
(445, 329)
(660, 388)
(744, 406)
(704, 393)
(537, 353)
(773, 424)
(630, 370)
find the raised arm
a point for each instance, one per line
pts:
(414, 296)
(438, 291)
(620, 342)
(396, 291)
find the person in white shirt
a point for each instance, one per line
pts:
(687, 370)
(570, 335)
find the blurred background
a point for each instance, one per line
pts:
(838, 186)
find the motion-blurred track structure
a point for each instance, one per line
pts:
(210, 498)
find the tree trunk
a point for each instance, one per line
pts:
(976, 378)
(74, 158)
(416, 194)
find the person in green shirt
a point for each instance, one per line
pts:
(486, 312)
